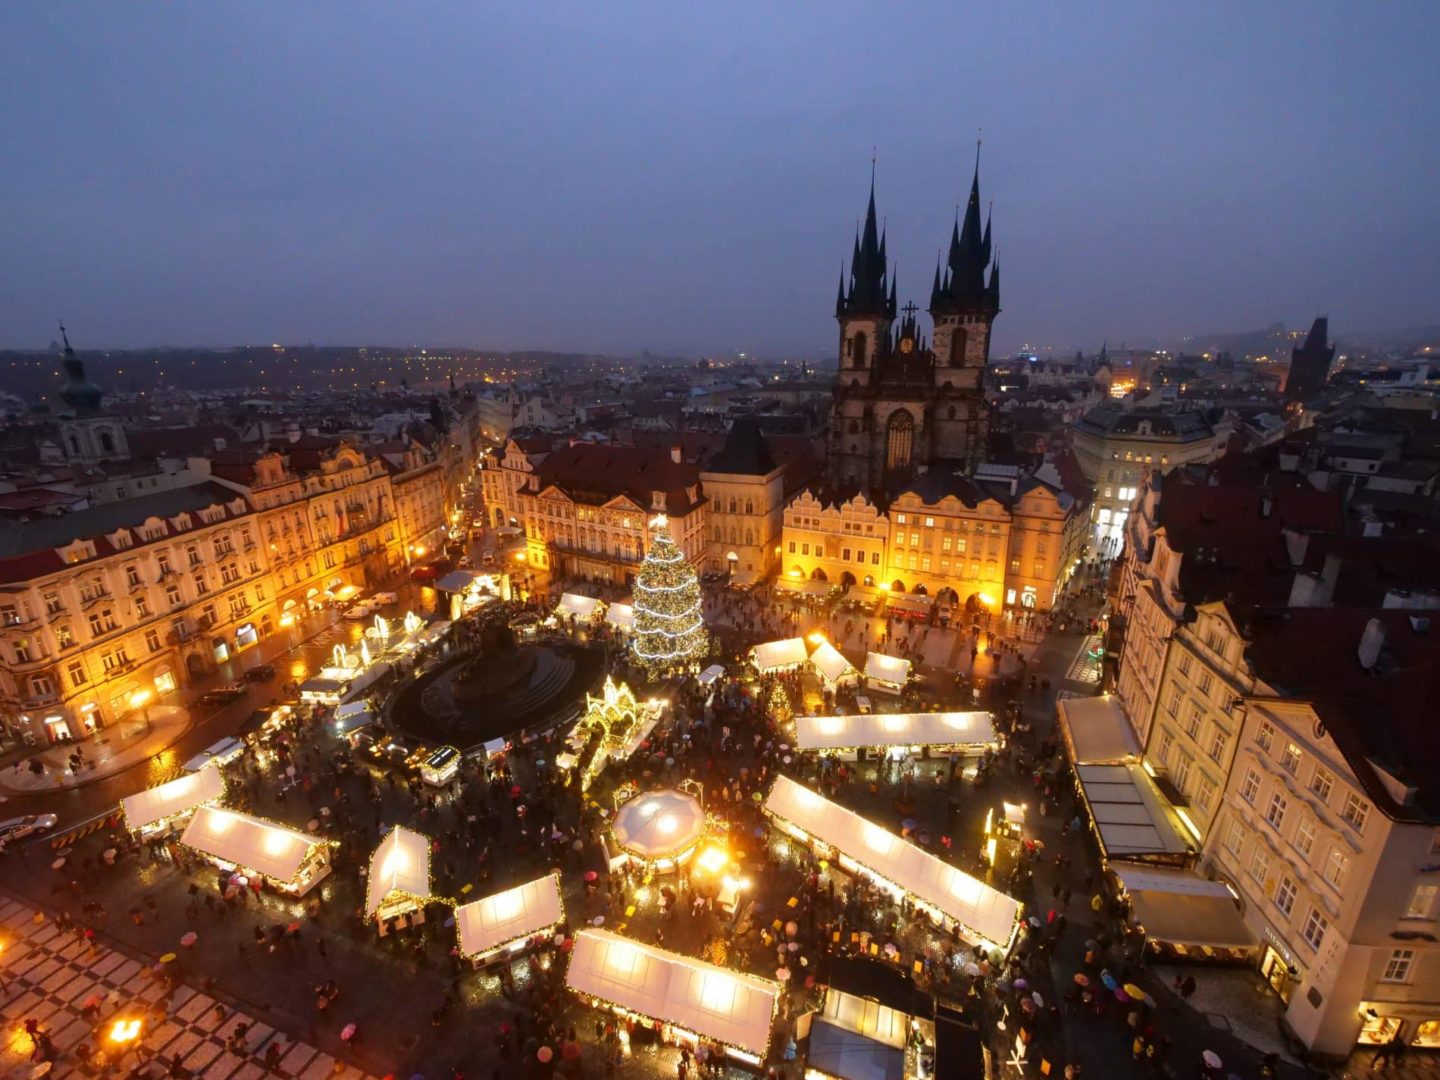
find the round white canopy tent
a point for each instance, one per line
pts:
(661, 828)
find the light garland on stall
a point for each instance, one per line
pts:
(493, 949)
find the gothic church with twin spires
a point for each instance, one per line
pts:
(902, 402)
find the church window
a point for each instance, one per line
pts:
(957, 347)
(900, 441)
(858, 352)
(107, 442)
(749, 507)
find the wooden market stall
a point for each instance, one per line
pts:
(832, 667)
(398, 884)
(776, 656)
(159, 809)
(502, 924)
(687, 999)
(946, 893)
(289, 861)
(886, 673)
(852, 737)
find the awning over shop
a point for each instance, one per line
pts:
(1096, 730)
(816, 590)
(974, 729)
(400, 865)
(249, 842)
(849, 1055)
(621, 616)
(508, 916)
(715, 1003)
(1133, 818)
(166, 800)
(886, 669)
(1179, 907)
(981, 910)
(832, 666)
(909, 603)
(350, 708)
(581, 607)
(779, 655)
(456, 580)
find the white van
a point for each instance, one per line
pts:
(221, 753)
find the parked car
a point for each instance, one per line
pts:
(358, 613)
(223, 695)
(383, 598)
(488, 559)
(424, 572)
(260, 673)
(29, 825)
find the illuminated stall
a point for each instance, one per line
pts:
(774, 657)
(289, 861)
(398, 883)
(502, 924)
(442, 766)
(621, 617)
(351, 715)
(580, 608)
(832, 667)
(886, 673)
(896, 734)
(660, 829)
(687, 999)
(471, 590)
(158, 809)
(949, 896)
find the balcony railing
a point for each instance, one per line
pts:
(94, 598)
(39, 701)
(19, 621)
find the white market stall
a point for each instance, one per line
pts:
(689, 999)
(292, 862)
(441, 766)
(578, 607)
(776, 656)
(887, 673)
(156, 809)
(320, 691)
(398, 884)
(948, 894)
(897, 734)
(505, 922)
(660, 829)
(621, 616)
(832, 667)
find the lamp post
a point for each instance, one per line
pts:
(141, 700)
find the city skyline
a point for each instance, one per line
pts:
(691, 185)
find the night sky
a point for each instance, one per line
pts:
(614, 177)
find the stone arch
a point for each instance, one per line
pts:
(818, 575)
(107, 441)
(949, 594)
(847, 579)
(897, 586)
(920, 590)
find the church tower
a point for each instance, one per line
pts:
(865, 312)
(87, 434)
(963, 305)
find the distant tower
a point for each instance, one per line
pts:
(1310, 363)
(87, 433)
(963, 306)
(865, 311)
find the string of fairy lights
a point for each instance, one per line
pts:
(669, 631)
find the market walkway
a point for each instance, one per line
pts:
(76, 990)
(110, 751)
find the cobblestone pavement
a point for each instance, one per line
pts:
(418, 1010)
(78, 990)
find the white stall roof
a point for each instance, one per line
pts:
(401, 863)
(890, 669)
(773, 655)
(275, 851)
(729, 1006)
(350, 708)
(985, 912)
(621, 616)
(894, 729)
(582, 607)
(710, 674)
(915, 602)
(1132, 815)
(456, 580)
(1096, 730)
(509, 915)
(659, 824)
(183, 793)
(1179, 907)
(830, 662)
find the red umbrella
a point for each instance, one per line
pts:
(569, 1050)
(591, 875)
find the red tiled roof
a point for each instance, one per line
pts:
(600, 473)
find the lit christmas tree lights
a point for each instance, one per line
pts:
(669, 634)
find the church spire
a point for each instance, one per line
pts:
(964, 287)
(869, 263)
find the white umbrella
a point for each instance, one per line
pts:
(1211, 1058)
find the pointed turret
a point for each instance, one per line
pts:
(994, 288)
(935, 288)
(965, 288)
(840, 294)
(869, 292)
(985, 243)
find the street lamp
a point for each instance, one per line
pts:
(123, 1034)
(140, 699)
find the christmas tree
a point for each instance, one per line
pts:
(779, 705)
(669, 634)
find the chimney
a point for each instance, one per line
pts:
(675, 455)
(1371, 642)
